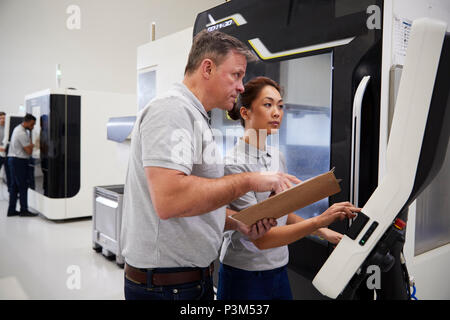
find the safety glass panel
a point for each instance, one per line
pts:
(305, 133)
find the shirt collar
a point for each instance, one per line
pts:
(251, 150)
(188, 94)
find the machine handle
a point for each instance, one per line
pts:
(356, 139)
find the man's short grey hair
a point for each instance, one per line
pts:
(214, 45)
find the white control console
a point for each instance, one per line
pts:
(403, 153)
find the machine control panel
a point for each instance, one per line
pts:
(357, 225)
(368, 233)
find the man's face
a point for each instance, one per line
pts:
(29, 125)
(226, 80)
(2, 120)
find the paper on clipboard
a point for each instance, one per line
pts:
(290, 200)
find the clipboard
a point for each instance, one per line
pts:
(292, 199)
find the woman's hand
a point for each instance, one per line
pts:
(337, 211)
(330, 235)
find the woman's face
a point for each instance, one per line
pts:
(266, 111)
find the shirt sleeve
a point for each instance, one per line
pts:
(23, 139)
(248, 199)
(167, 138)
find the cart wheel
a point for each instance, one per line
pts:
(120, 261)
(108, 254)
(96, 247)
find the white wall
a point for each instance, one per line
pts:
(430, 269)
(413, 9)
(100, 56)
(168, 56)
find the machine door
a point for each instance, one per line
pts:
(55, 162)
(326, 55)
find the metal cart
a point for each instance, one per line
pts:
(107, 221)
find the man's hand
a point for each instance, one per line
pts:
(29, 148)
(271, 181)
(256, 230)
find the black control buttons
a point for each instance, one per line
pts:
(357, 225)
(368, 233)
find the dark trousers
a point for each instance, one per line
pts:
(238, 284)
(20, 175)
(198, 290)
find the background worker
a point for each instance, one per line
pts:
(19, 153)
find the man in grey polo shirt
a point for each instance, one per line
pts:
(175, 194)
(20, 150)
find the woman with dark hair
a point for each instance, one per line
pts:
(256, 269)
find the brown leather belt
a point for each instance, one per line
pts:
(168, 279)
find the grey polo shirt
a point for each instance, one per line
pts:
(19, 139)
(171, 132)
(237, 250)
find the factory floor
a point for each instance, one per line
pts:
(43, 259)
